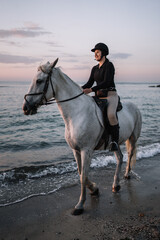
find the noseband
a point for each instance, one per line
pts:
(43, 93)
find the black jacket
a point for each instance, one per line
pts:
(103, 76)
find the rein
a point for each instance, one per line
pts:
(66, 100)
(51, 101)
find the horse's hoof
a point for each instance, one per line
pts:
(77, 211)
(127, 177)
(95, 193)
(116, 189)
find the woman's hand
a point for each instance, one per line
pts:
(87, 90)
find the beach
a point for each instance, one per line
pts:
(133, 213)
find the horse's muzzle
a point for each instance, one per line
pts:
(29, 110)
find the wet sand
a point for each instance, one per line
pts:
(133, 213)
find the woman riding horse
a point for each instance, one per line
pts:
(81, 117)
(103, 75)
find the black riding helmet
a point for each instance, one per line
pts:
(102, 47)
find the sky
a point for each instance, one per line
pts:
(33, 32)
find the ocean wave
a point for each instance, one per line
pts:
(22, 183)
(98, 161)
(148, 151)
(33, 172)
(27, 197)
(142, 152)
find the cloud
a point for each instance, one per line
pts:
(121, 55)
(6, 58)
(10, 43)
(32, 26)
(53, 44)
(29, 30)
(21, 33)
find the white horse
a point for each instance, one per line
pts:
(83, 123)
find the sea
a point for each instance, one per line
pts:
(34, 156)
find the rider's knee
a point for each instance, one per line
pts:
(112, 119)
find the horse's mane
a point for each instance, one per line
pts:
(66, 78)
(48, 67)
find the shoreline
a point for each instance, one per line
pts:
(133, 213)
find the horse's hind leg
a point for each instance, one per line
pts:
(131, 150)
(116, 187)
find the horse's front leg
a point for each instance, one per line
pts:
(94, 191)
(77, 156)
(85, 163)
(116, 187)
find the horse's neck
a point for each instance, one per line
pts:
(66, 89)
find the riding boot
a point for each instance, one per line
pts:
(104, 105)
(114, 131)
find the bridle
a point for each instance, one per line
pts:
(43, 93)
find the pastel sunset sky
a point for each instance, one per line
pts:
(33, 32)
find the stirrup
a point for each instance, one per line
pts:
(113, 147)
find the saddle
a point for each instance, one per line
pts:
(103, 104)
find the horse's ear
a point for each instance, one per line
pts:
(54, 63)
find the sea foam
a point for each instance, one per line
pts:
(142, 152)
